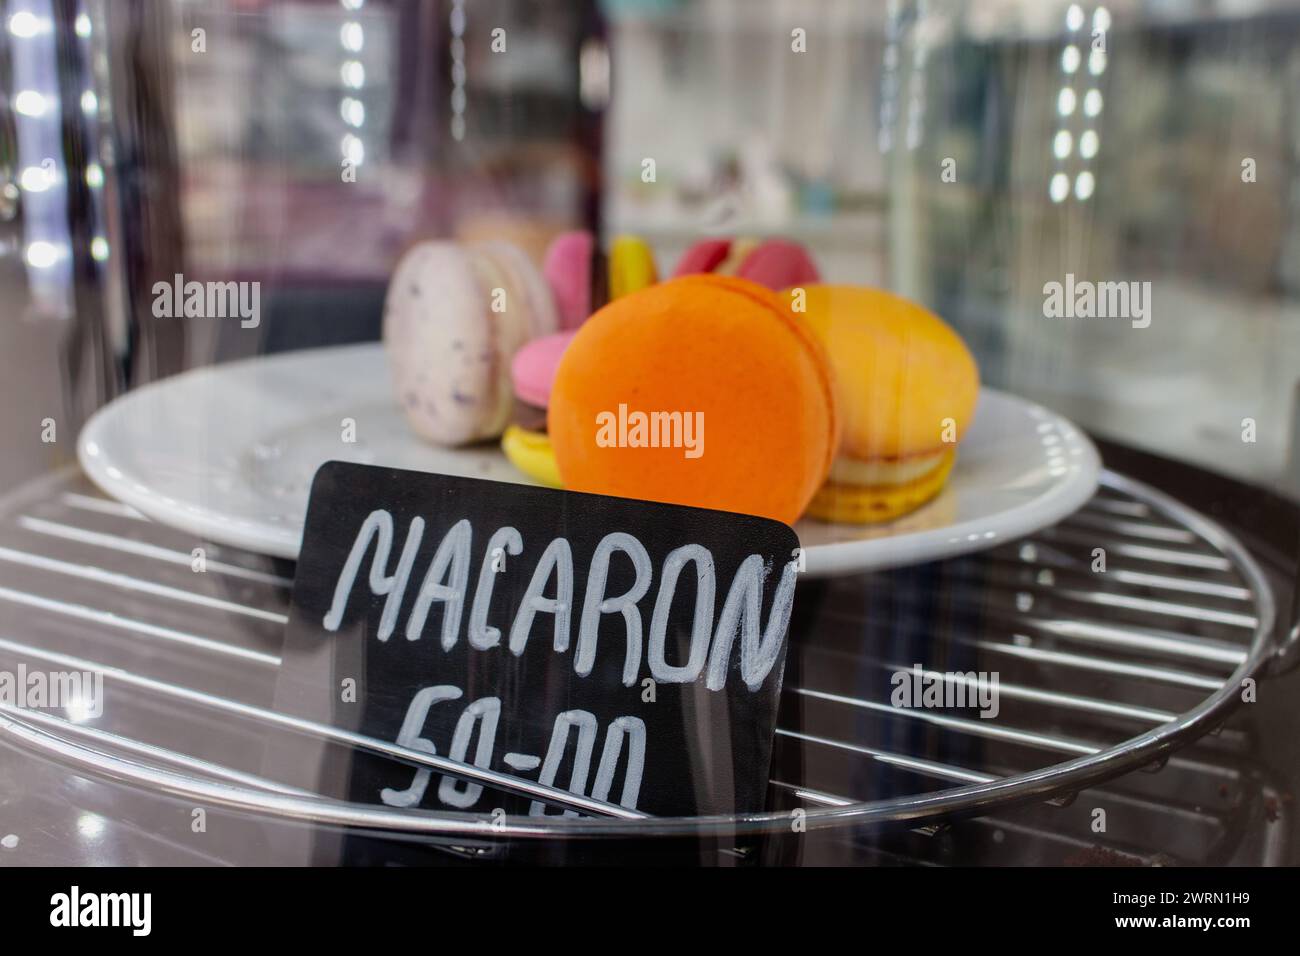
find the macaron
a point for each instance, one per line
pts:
(774, 263)
(533, 373)
(779, 264)
(631, 266)
(454, 316)
(706, 255)
(705, 390)
(571, 269)
(530, 451)
(907, 387)
(534, 365)
(740, 249)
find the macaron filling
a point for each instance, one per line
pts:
(884, 471)
(863, 504)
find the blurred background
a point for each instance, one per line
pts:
(962, 153)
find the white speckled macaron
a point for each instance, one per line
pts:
(454, 316)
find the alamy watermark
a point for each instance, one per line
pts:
(1083, 299)
(79, 694)
(208, 300)
(624, 429)
(133, 911)
(919, 688)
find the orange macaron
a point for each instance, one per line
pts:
(704, 390)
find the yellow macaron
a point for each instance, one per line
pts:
(531, 452)
(907, 387)
(631, 266)
(869, 504)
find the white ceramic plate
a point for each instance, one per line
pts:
(228, 453)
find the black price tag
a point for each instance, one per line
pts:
(627, 652)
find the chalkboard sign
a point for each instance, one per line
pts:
(627, 652)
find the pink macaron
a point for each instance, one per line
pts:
(534, 365)
(703, 256)
(568, 268)
(779, 264)
(774, 263)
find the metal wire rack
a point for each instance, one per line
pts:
(1179, 619)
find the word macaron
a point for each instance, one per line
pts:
(574, 615)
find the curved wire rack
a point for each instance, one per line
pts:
(1128, 516)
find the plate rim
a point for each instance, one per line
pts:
(822, 560)
(1062, 499)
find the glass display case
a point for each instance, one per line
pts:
(1100, 200)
